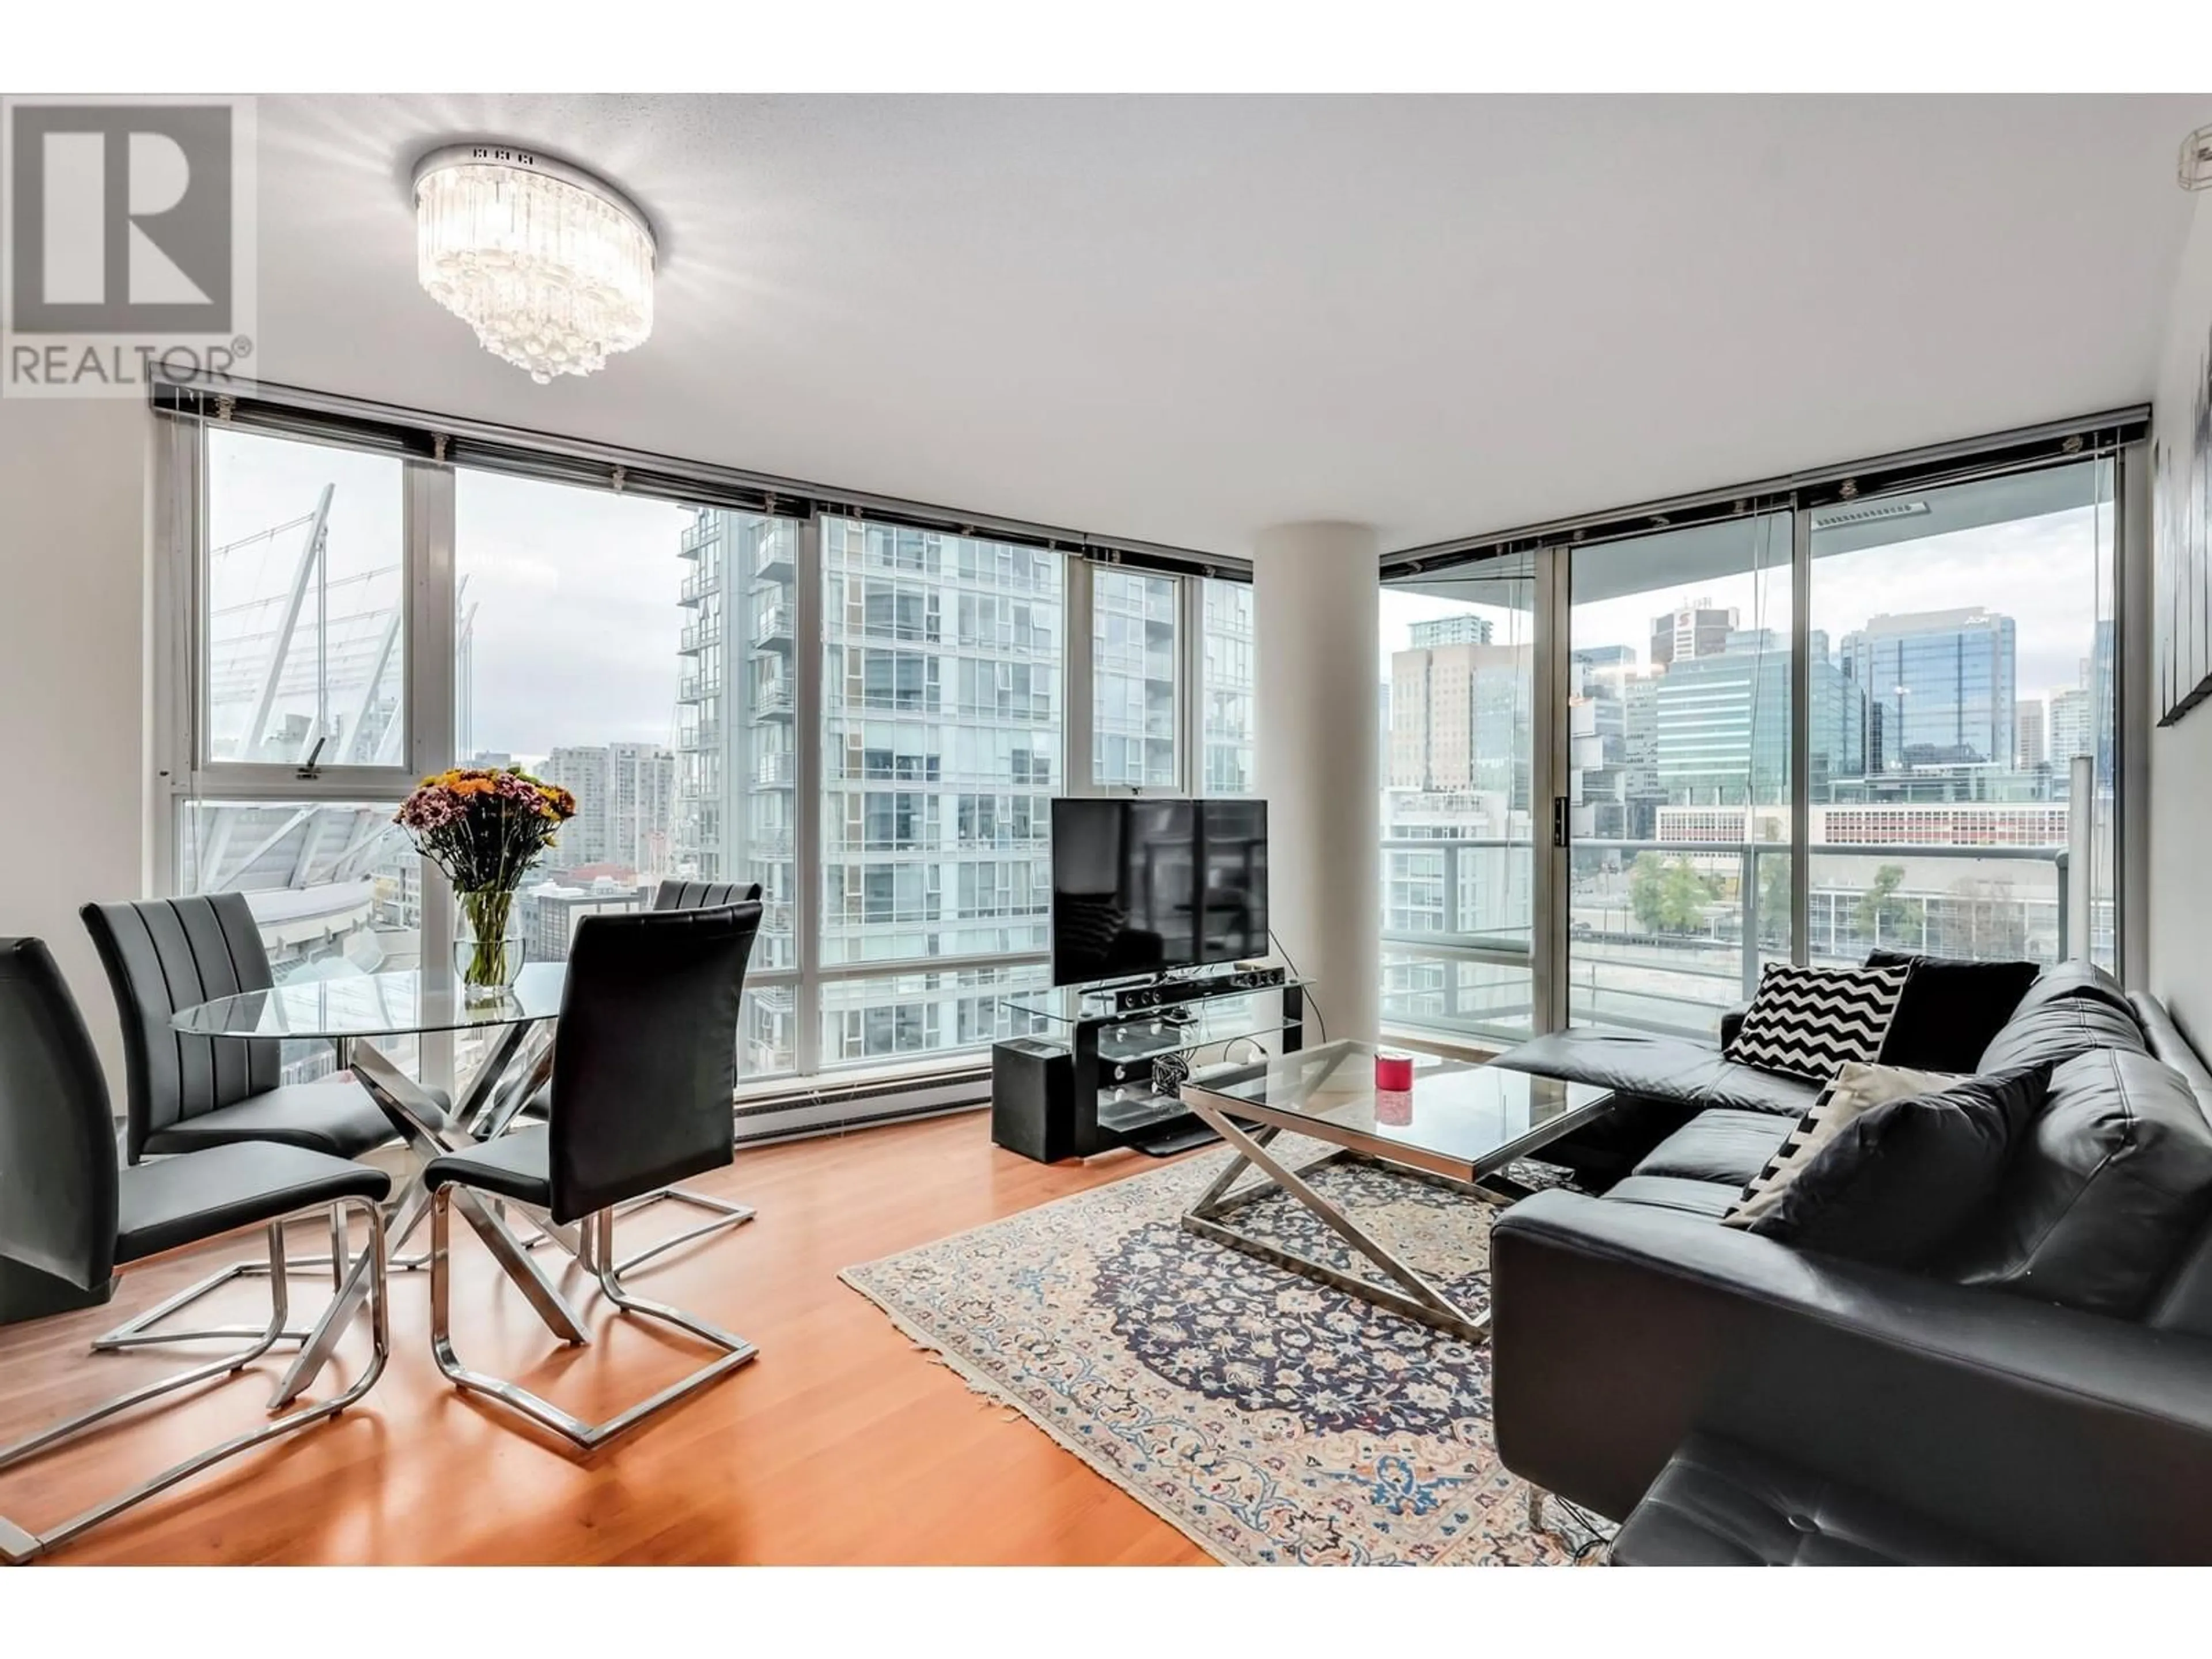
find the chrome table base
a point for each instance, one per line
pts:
(1414, 1296)
(18, 1545)
(489, 1104)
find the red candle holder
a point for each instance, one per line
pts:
(1393, 1071)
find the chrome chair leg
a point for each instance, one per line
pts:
(138, 1331)
(18, 1545)
(596, 1243)
(725, 1214)
(337, 1249)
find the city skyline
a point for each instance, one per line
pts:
(2034, 566)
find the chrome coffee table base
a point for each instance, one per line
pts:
(1415, 1295)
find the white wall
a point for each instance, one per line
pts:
(73, 683)
(2180, 898)
(1315, 601)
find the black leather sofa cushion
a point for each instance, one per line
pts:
(1672, 1068)
(1720, 1145)
(337, 1118)
(1635, 1062)
(2057, 1031)
(2068, 982)
(1733, 1088)
(2114, 1180)
(1718, 1504)
(1951, 1010)
(1710, 1199)
(175, 1201)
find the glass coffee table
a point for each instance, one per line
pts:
(1460, 1125)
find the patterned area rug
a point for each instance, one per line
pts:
(1272, 1419)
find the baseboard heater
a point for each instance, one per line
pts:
(836, 1108)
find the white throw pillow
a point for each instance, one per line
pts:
(1856, 1088)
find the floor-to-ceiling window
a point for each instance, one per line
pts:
(1228, 685)
(867, 717)
(1678, 744)
(594, 648)
(1459, 815)
(942, 665)
(1974, 625)
(1134, 680)
(301, 661)
(1801, 723)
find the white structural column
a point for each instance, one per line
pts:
(1316, 595)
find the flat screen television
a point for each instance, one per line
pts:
(1142, 886)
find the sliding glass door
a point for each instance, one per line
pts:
(1625, 767)
(1676, 688)
(1460, 802)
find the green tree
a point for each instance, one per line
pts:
(1879, 909)
(1774, 898)
(1667, 895)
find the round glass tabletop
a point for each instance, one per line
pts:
(374, 1004)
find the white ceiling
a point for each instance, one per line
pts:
(1183, 320)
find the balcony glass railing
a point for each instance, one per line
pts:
(772, 625)
(1664, 935)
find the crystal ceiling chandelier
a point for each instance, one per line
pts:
(551, 267)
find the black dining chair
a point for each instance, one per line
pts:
(674, 894)
(693, 896)
(642, 1072)
(67, 1209)
(186, 1094)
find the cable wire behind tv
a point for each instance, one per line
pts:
(1313, 1000)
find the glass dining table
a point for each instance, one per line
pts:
(354, 1013)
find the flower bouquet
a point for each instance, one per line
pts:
(484, 828)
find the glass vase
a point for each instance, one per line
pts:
(487, 952)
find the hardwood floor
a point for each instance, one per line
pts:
(840, 1443)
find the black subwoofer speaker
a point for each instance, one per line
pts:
(1033, 1099)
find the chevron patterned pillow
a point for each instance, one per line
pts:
(1806, 1022)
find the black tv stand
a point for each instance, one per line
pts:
(1079, 1080)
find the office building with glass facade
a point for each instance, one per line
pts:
(1940, 686)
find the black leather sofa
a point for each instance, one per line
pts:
(2042, 1393)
